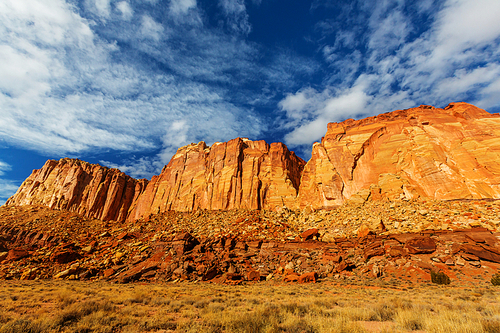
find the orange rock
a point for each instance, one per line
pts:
(449, 153)
(16, 254)
(308, 277)
(309, 234)
(427, 152)
(89, 189)
(236, 174)
(293, 277)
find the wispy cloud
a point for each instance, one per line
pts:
(456, 56)
(236, 15)
(65, 89)
(125, 9)
(7, 187)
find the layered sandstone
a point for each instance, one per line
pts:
(450, 153)
(88, 189)
(425, 152)
(236, 174)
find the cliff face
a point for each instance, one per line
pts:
(235, 174)
(449, 153)
(89, 189)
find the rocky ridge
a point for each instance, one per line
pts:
(350, 243)
(391, 197)
(236, 174)
(423, 152)
(427, 152)
(88, 189)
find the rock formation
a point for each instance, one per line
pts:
(88, 189)
(426, 152)
(235, 174)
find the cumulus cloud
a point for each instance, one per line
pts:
(101, 8)
(181, 6)
(125, 9)
(458, 55)
(310, 111)
(66, 90)
(150, 28)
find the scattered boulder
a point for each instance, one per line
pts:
(421, 245)
(310, 234)
(16, 254)
(63, 257)
(308, 277)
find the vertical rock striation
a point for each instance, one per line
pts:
(427, 152)
(236, 174)
(450, 153)
(89, 189)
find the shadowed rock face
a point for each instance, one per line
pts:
(425, 152)
(450, 153)
(88, 189)
(235, 174)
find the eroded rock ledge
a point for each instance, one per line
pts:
(423, 152)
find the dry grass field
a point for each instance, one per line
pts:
(72, 306)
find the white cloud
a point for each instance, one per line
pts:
(181, 6)
(4, 167)
(126, 11)
(151, 29)
(101, 8)
(63, 92)
(311, 111)
(457, 55)
(236, 15)
(7, 187)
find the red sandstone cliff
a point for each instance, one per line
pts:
(235, 174)
(89, 189)
(449, 153)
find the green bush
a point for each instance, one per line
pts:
(495, 279)
(440, 278)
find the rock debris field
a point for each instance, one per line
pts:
(396, 242)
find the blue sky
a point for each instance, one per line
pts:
(125, 83)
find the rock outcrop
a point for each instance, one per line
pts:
(235, 174)
(426, 152)
(450, 153)
(88, 189)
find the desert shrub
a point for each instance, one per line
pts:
(491, 326)
(295, 308)
(21, 326)
(298, 326)
(4, 318)
(383, 312)
(76, 311)
(410, 320)
(440, 278)
(495, 279)
(66, 298)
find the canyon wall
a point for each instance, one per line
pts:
(450, 153)
(236, 174)
(89, 189)
(423, 152)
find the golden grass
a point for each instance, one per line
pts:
(72, 306)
